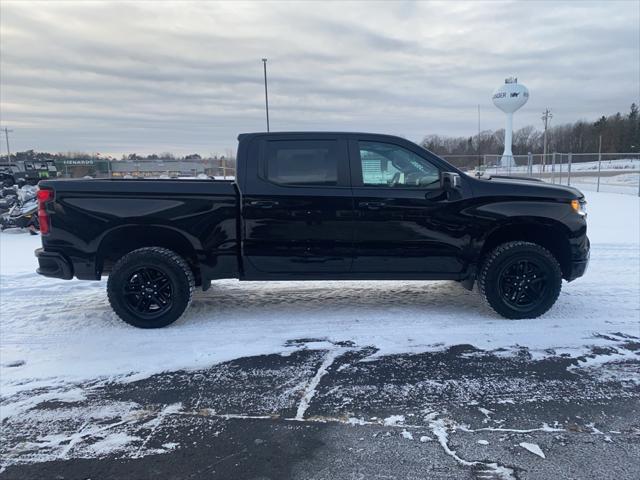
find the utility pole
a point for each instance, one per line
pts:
(546, 116)
(266, 96)
(6, 136)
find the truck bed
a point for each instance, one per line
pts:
(92, 221)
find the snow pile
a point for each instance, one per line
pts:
(406, 434)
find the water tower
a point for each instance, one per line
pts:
(509, 98)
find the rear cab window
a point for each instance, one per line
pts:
(313, 162)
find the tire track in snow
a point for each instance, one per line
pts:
(155, 423)
(482, 470)
(310, 390)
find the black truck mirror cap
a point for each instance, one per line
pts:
(449, 181)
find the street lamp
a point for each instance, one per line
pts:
(266, 96)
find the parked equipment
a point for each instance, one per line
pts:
(22, 210)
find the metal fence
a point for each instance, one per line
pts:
(606, 172)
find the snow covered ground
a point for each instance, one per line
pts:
(626, 183)
(562, 165)
(54, 331)
(616, 176)
(77, 383)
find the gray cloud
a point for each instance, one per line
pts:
(186, 77)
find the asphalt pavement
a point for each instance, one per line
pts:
(341, 412)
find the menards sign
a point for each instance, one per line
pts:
(78, 161)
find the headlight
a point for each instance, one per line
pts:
(579, 206)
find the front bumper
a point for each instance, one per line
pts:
(578, 269)
(53, 264)
(579, 266)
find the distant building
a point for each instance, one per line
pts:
(171, 168)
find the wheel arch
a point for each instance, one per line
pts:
(118, 242)
(548, 233)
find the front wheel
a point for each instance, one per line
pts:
(150, 287)
(520, 280)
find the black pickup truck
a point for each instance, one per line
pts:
(314, 206)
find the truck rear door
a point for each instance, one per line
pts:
(298, 209)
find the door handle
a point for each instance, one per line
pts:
(436, 195)
(263, 203)
(372, 205)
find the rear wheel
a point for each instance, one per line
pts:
(520, 280)
(150, 287)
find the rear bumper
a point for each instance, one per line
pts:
(53, 264)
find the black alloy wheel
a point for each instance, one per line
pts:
(520, 279)
(148, 292)
(522, 284)
(150, 287)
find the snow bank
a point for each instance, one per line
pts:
(16, 252)
(626, 164)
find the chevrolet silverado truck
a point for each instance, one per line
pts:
(315, 206)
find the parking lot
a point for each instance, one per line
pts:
(324, 380)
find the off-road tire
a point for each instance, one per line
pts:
(501, 257)
(175, 269)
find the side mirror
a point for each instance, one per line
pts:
(449, 181)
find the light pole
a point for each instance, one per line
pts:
(6, 136)
(479, 157)
(266, 96)
(546, 116)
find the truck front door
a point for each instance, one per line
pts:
(403, 226)
(298, 214)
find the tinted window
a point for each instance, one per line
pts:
(302, 162)
(390, 165)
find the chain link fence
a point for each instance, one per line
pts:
(605, 172)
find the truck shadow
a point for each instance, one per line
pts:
(373, 297)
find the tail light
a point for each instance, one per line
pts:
(44, 196)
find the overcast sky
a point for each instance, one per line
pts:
(183, 77)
